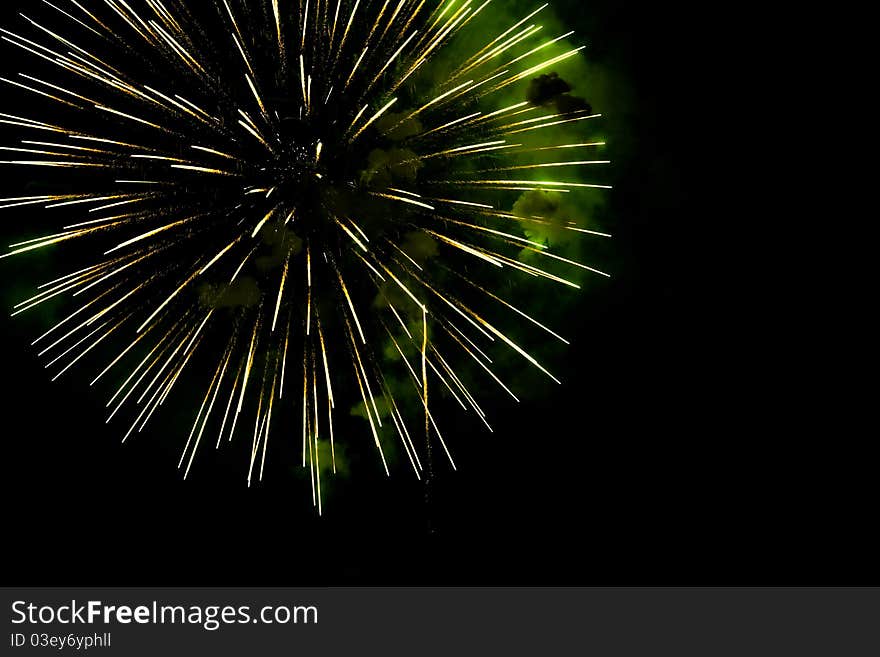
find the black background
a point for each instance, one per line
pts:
(678, 455)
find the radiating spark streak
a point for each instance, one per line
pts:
(256, 93)
(487, 369)
(109, 206)
(126, 18)
(496, 233)
(255, 133)
(524, 34)
(38, 92)
(149, 234)
(89, 348)
(530, 184)
(115, 272)
(546, 165)
(451, 124)
(102, 140)
(26, 200)
(571, 262)
(425, 374)
(370, 418)
(59, 288)
(465, 203)
(118, 358)
(485, 118)
(351, 307)
(587, 232)
(71, 17)
(74, 274)
(363, 372)
(316, 434)
(32, 201)
(280, 293)
(403, 199)
(32, 151)
(404, 254)
(531, 52)
(302, 79)
(178, 105)
(399, 318)
(229, 405)
(441, 377)
(188, 59)
(464, 149)
(191, 345)
(326, 365)
(263, 221)
(67, 147)
(352, 235)
(403, 357)
(305, 26)
(238, 38)
(305, 412)
(215, 388)
(217, 172)
(459, 385)
(277, 14)
(347, 29)
(267, 424)
(369, 266)
(539, 67)
(357, 117)
(174, 378)
(75, 345)
(55, 240)
(284, 356)
(214, 152)
(467, 249)
(534, 271)
(167, 301)
(219, 255)
(400, 433)
(429, 49)
(514, 309)
(158, 394)
(391, 60)
(241, 266)
(91, 199)
(196, 108)
(412, 447)
(143, 374)
(400, 284)
(434, 101)
(354, 69)
(359, 230)
(168, 337)
(71, 316)
(501, 37)
(131, 117)
(373, 119)
(562, 146)
(9, 119)
(545, 125)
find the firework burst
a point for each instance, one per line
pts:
(309, 193)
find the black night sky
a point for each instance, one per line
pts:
(655, 463)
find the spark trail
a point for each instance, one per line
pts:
(280, 192)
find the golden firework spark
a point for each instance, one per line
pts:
(251, 183)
